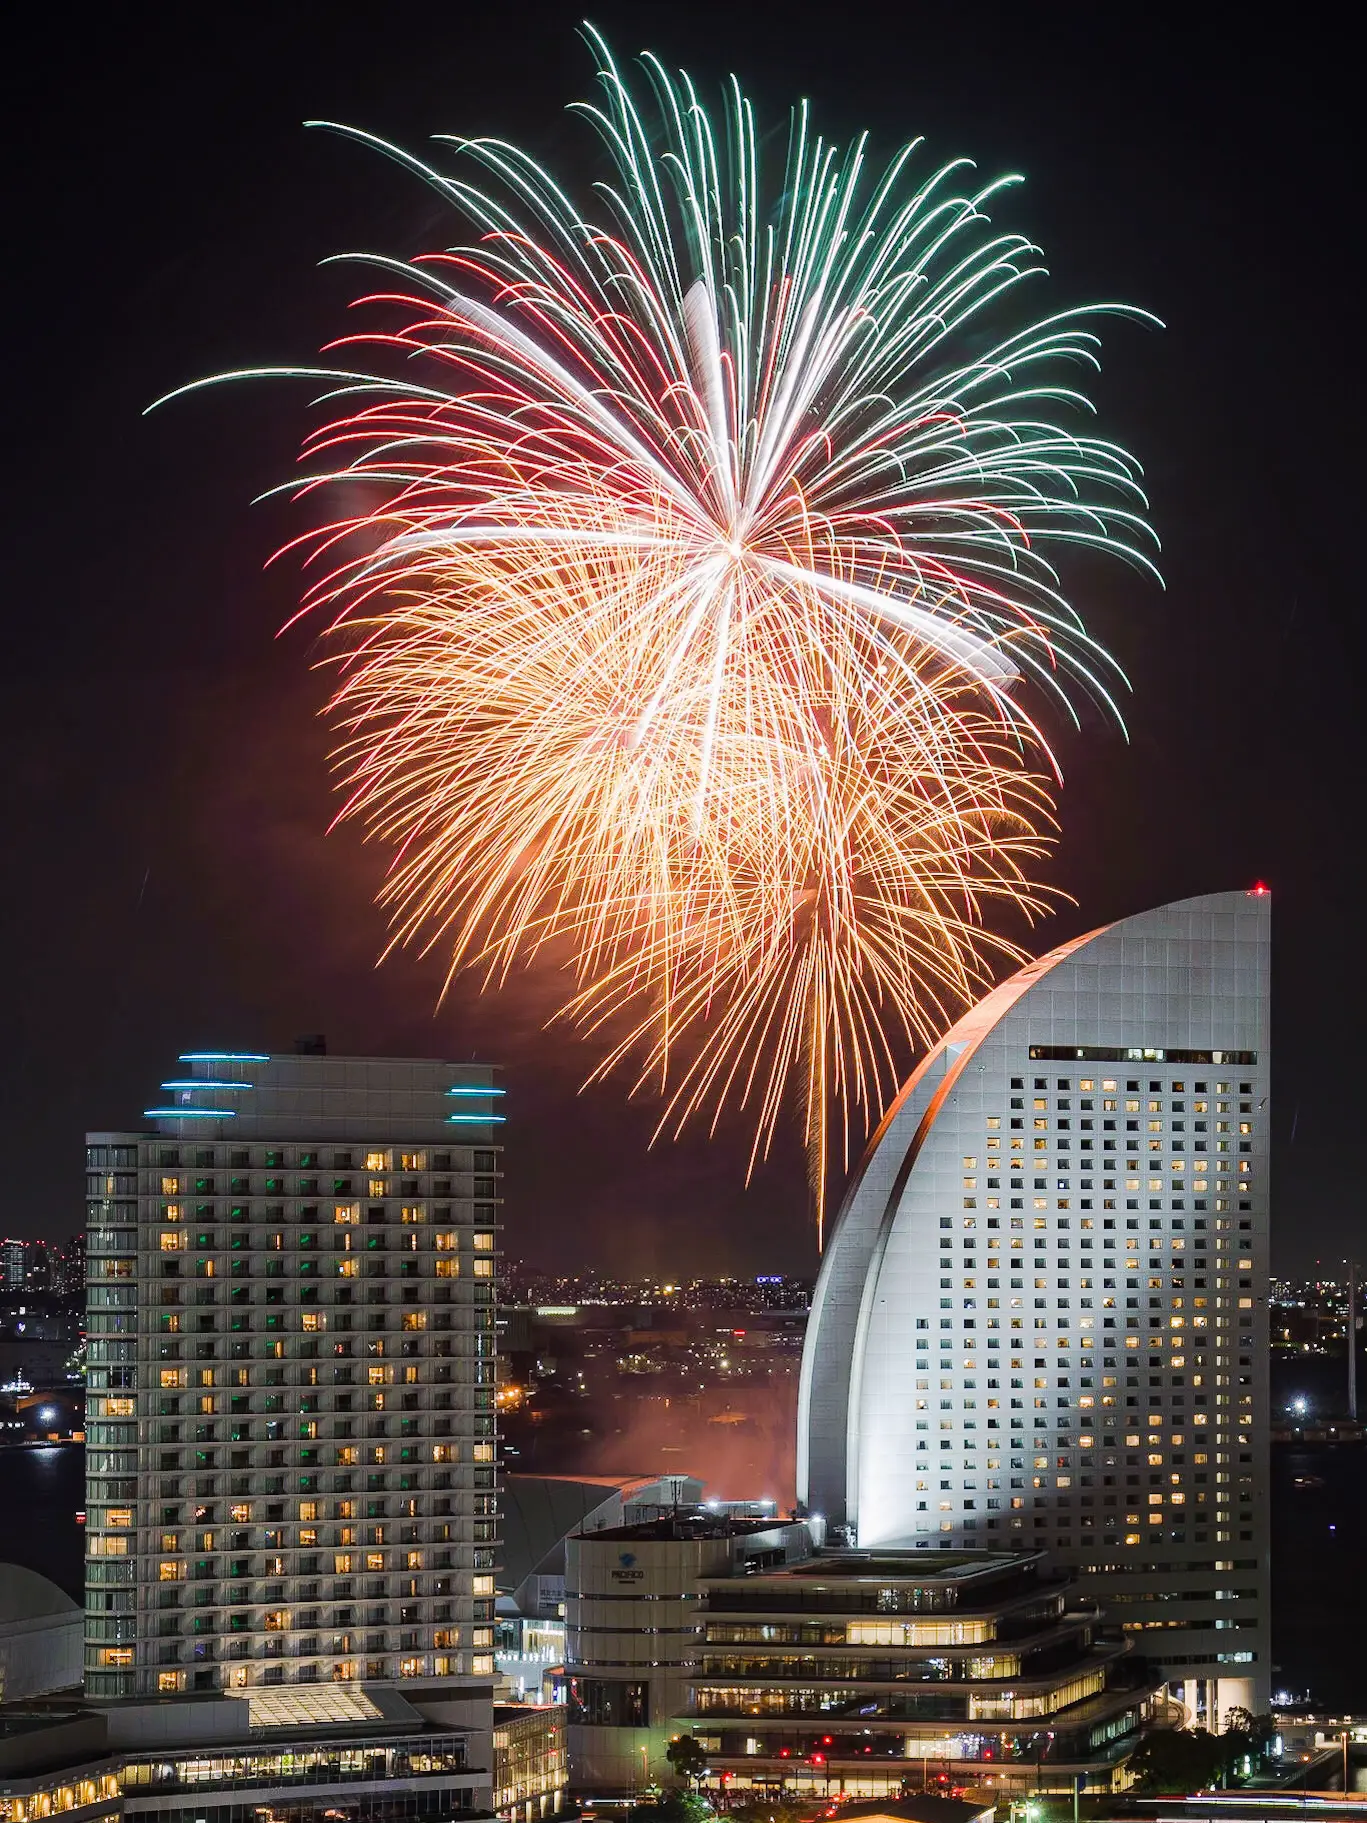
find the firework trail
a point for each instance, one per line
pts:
(706, 571)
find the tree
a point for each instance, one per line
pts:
(1178, 1759)
(1246, 1737)
(673, 1807)
(688, 1757)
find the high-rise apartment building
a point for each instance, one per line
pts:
(13, 1264)
(290, 1434)
(1042, 1317)
(69, 1279)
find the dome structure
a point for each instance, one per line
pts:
(40, 1635)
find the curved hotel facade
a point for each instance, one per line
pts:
(1042, 1316)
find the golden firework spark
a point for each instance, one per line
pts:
(702, 564)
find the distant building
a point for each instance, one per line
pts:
(38, 1274)
(13, 1264)
(69, 1276)
(776, 1291)
(1042, 1315)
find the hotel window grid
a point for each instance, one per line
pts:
(1097, 1355)
(279, 1383)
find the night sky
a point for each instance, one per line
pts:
(169, 881)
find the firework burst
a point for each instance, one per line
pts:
(710, 545)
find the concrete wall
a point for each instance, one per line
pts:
(40, 1656)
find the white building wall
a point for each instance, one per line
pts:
(41, 1656)
(1043, 1315)
(633, 1615)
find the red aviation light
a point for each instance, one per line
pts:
(1260, 890)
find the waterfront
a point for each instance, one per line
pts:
(41, 1491)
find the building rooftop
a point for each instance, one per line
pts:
(685, 1525)
(919, 1567)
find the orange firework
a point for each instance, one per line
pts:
(704, 559)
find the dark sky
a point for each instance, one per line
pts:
(169, 883)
